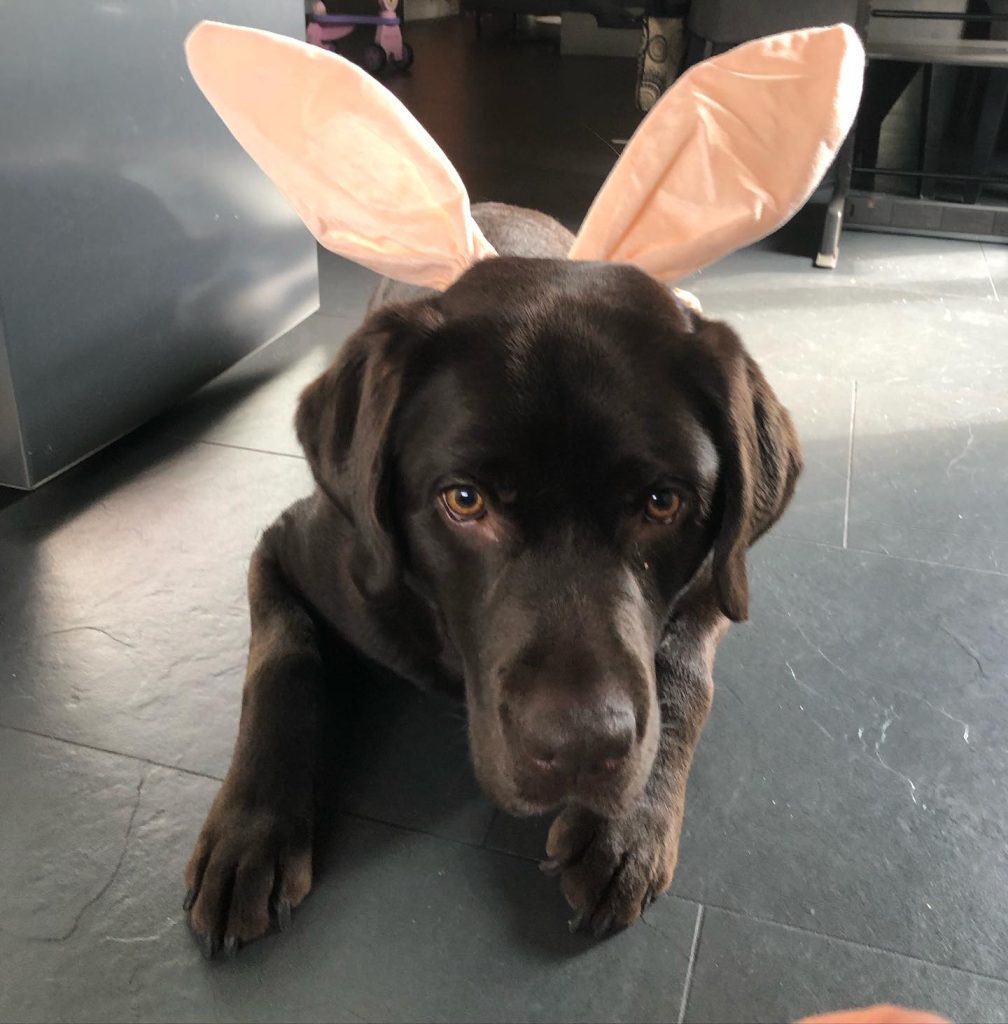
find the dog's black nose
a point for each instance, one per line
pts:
(572, 739)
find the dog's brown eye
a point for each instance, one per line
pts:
(464, 502)
(663, 506)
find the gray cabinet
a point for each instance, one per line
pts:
(141, 251)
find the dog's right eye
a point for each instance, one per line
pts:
(663, 505)
(463, 502)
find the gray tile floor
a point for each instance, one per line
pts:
(846, 829)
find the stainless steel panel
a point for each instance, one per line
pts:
(141, 250)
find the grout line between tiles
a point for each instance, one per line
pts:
(235, 447)
(113, 753)
(218, 778)
(355, 316)
(413, 830)
(847, 942)
(691, 966)
(850, 462)
(258, 451)
(990, 276)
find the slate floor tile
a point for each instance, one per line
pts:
(407, 762)
(780, 269)
(252, 405)
(124, 621)
(400, 926)
(872, 337)
(821, 409)
(523, 837)
(850, 778)
(996, 257)
(749, 971)
(469, 935)
(127, 629)
(930, 476)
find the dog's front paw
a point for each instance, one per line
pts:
(252, 864)
(611, 870)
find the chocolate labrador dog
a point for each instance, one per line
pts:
(536, 490)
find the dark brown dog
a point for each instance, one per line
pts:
(535, 490)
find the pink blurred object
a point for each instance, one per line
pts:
(388, 46)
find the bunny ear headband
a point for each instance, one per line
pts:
(726, 156)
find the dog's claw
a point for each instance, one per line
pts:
(550, 867)
(190, 899)
(230, 947)
(208, 945)
(576, 923)
(603, 926)
(283, 914)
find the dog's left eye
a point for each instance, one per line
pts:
(464, 502)
(663, 505)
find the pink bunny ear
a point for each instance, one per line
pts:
(730, 152)
(361, 172)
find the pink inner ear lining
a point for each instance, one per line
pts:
(406, 216)
(703, 140)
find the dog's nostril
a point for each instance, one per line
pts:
(607, 766)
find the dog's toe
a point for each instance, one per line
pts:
(610, 871)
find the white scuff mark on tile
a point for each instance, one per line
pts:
(169, 924)
(822, 654)
(803, 685)
(962, 455)
(906, 778)
(951, 718)
(885, 729)
(822, 728)
(887, 722)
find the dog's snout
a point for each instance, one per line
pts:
(571, 739)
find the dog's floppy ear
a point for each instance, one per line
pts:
(343, 422)
(760, 458)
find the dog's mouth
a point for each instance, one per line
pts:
(608, 798)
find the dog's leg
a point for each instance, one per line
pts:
(611, 869)
(252, 861)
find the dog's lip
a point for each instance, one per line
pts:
(545, 793)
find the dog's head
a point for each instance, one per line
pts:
(548, 454)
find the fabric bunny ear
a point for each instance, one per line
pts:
(728, 154)
(358, 168)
